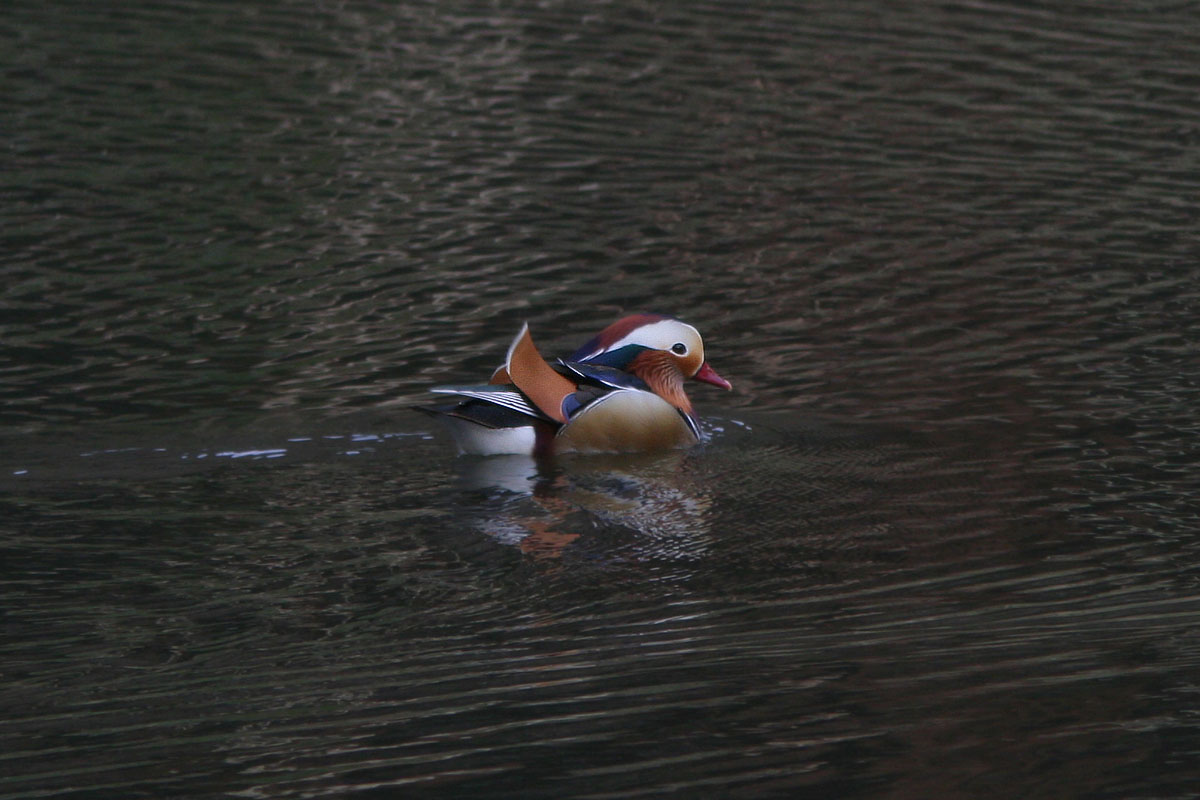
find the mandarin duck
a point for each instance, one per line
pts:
(622, 391)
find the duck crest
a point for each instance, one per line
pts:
(614, 333)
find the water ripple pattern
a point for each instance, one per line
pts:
(939, 543)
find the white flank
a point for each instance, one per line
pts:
(475, 439)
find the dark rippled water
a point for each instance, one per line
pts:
(941, 541)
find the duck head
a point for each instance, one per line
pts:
(660, 350)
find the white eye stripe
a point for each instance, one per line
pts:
(660, 335)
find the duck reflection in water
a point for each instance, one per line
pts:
(647, 499)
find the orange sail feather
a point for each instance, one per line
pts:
(537, 379)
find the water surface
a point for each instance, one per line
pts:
(939, 541)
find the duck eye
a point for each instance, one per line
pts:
(679, 349)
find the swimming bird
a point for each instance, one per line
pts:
(621, 391)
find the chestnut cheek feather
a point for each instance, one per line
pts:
(660, 371)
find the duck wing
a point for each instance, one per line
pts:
(503, 396)
(545, 387)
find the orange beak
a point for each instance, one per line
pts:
(709, 375)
